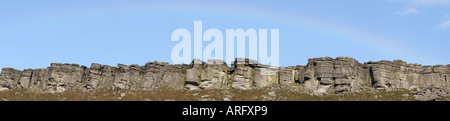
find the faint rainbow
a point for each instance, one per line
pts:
(348, 34)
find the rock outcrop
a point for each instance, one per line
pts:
(399, 75)
(100, 76)
(318, 76)
(431, 94)
(242, 71)
(193, 74)
(328, 75)
(393, 75)
(214, 75)
(62, 77)
(9, 78)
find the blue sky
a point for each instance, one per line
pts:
(34, 34)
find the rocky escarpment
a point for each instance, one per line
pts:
(319, 76)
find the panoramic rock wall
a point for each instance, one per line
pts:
(320, 75)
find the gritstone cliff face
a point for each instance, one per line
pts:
(320, 75)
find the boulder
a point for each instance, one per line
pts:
(242, 71)
(431, 94)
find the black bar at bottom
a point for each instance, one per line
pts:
(234, 110)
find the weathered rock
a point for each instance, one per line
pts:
(163, 75)
(100, 76)
(152, 76)
(25, 78)
(319, 76)
(136, 76)
(271, 96)
(9, 78)
(310, 83)
(174, 76)
(129, 77)
(193, 75)
(265, 76)
(38, 79)
(350, 75)
(64, 77)
(431, 94)
(242, 72)
(328, 75)
(434, 76)
(289, 76)
(214, 75)
(396, 75)
(122, 77)
(383, 71)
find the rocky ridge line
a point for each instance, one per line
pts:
(319, 76)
